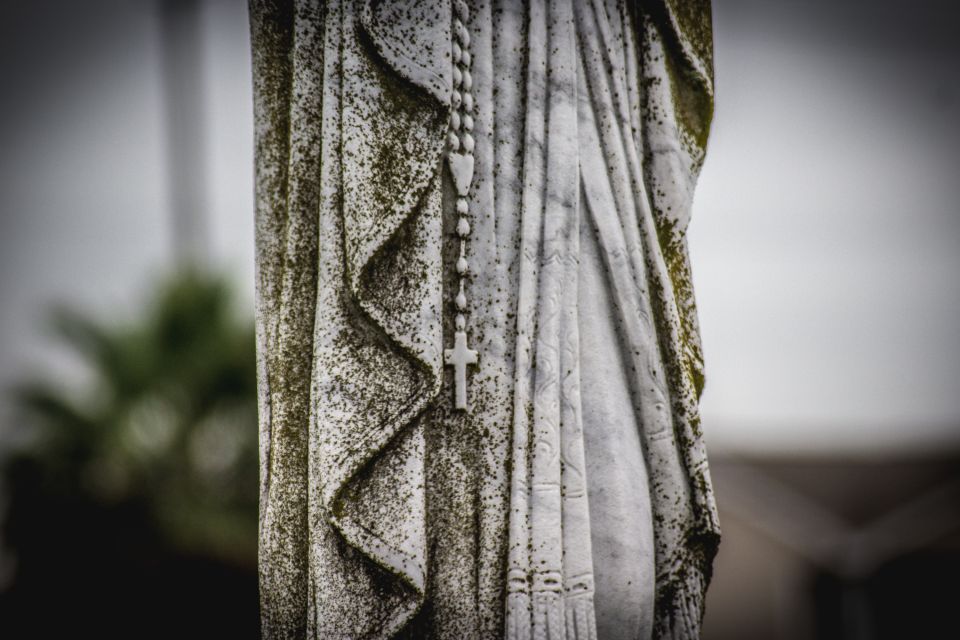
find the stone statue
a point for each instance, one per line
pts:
(479, 363)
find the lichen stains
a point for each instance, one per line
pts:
(385, 511)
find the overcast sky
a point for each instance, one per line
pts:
(825, 239)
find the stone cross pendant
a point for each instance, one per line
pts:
(458, 358)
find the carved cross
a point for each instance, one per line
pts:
(459, 357)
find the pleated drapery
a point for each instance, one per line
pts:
(574, 497)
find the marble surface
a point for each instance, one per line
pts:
(565, 493)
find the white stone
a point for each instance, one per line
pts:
(461, 168)
(458, 358)
(565, 491)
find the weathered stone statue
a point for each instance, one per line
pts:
(479, 358)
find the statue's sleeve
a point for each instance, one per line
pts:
(677, 108)
(351, 102)
(287, 144)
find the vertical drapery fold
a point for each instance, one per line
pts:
(638, 156)
(288, 62)
(350, 336)
(608, 123)
(551, 574)
(677, 106)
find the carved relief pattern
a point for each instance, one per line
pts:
(383, 507)
(460, 160)
(551, 573)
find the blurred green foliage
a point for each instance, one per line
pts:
(165, 428)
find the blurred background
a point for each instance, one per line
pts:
(826, 250)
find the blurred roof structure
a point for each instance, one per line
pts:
(804, 536)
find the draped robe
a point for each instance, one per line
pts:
(574, 496)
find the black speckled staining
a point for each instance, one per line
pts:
(382, 508)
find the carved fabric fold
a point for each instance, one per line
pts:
(364, 475)
(550, 572)
(356, 349)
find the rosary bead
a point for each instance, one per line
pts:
(461, 33)
(461, 165)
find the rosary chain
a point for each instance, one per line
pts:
(461, 140)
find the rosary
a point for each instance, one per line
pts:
(460, 160)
